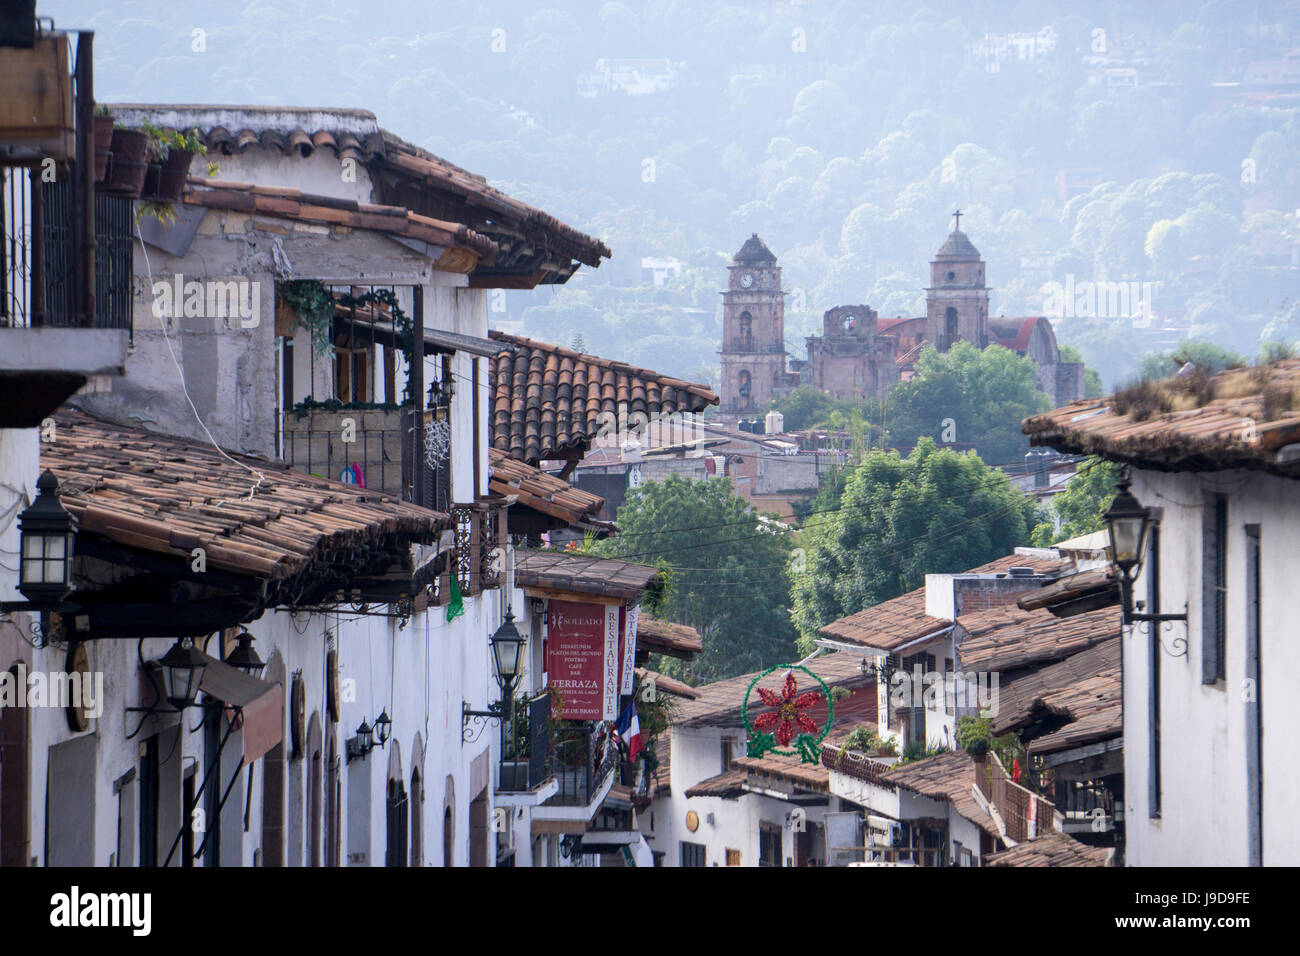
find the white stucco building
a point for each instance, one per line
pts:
(1209, 768)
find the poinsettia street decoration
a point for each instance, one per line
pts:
(788, 721)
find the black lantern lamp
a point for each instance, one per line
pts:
(1128, 526)
(45, 576)
(880, 673)
(383, 727)
(364, 742)
(507, 653)
(507, 659)
(183, 668)
(245, 657)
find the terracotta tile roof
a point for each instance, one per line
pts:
(582, 574)
(662, 682)
(488, 209)
(948, 777)
(300, 131)
(718, 704)
(1051, 849)
(666, 637)
(283, 202)
(901, 620)
(171, 495)
(1083, 685)
(1074, 593)
(728, 785)
(1009, 638)
(547, 400)
(532, 246)
(1094, 708)
(887, 625)
(1249, 419)
(543, 492)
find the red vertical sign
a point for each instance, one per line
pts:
(575, 658)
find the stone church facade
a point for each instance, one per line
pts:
(860, 355)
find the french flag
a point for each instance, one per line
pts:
(628, 729)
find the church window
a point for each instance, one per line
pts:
(951, 275)
(746, 327)
(950, 327)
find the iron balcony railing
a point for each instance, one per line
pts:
(527, 756)
(581, 766)
(38, 251)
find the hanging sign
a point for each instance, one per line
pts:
(581, 659)
(627, 647)
(609, 689)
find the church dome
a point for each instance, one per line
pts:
(753, 251)
(958, 248)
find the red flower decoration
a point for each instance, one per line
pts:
(789, 715)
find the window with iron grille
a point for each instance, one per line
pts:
(1214, 588)
(769, 844)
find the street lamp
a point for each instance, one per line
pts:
(507, 659)
(183, 668)
(507, 653)
(364, 742)
(1128, 525)
(383, 726)
(245, 657)
(45, 575)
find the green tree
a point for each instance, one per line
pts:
(807, 407)
(1081, 507)
(1201, 354)
(899, 519)
(968, 395)
(729, 570)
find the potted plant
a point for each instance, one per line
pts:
(171, 154)
(103, 140)
(128, 162)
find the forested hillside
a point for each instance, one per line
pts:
(1085, 143)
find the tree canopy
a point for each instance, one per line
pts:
(968, 395)
(1081, 507)
(898, 519)
(729, 571)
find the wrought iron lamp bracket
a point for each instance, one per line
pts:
(474, 722)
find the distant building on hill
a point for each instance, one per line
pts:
(859, 354)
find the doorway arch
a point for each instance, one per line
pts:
(315, 776)
(273, 774)
(449, 823)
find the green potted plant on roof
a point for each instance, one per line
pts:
(170, 154)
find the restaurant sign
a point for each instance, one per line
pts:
(582, 658)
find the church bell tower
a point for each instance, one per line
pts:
(957, 300)
(753, 331)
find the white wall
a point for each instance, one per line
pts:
(696, 756)
(1204, 815)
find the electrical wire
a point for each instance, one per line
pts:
(162, 322)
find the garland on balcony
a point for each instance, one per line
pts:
(308, 405)
(774, 730)
(315, 307)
